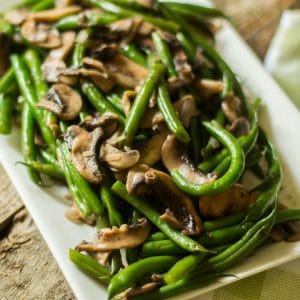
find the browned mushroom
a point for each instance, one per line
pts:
(179, 204)
(186, 109)
(231, 106)
(84, 154)
(74, 215)
(169, 217)
(105, 52)
(234, 200)
(174, 156)
(288, 231)
(41, 34)
(107, 121)
(183, 68)
(72, 132)
(63, 3)
(126, 73)
(209, 87)
(54, 63)
(53, 15)
(151, 118)
(63, 101)
(16, 16)
(151, 150)
(135, 183)
(239, 127)
(127, 99)
(126, 236)
(117, 159)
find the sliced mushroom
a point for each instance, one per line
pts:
(183, 68)
(234, 200)
(54, 63)
(174, 157)
(53, 15)
(126, 73)
(180, 205)
(239, 127)
(127, 99)
(151, 118)
(127, 236)
(151, 150)
(16, 16)
(105, 52)
(288, 231)
(41, 34)
(74, 215)
(63, 3)
(186, 109)
(72, 132)
(135, 183)
(107, 121)
(84, 154)
(231, 107)
(63, 101)
(117, 159)
(209, 87)
(169, 217)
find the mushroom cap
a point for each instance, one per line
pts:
(135, 183)
(84, 154)
(117, 159)
(174, 157)
(63, 101)
(41, 34)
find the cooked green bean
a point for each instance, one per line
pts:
(6, 113)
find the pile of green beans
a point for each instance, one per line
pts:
(163, 89)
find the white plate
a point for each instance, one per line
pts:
(278, 117)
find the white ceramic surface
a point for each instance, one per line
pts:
(278, 117)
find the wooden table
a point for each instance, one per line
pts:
(27, 269)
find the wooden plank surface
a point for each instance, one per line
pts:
(27, 269)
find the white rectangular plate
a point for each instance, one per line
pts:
(278, 116)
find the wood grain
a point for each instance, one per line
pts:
(27, 269)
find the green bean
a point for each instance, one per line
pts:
(195, 140)
(183, 267)
(27, 140)
(163, 247)
(83, 186)
(26, 3)
(223, 183)
(42, 5)
(170, 116)
(132, 52)
(287, 215)
(28, 92)
(146, 208)
(49, 158)
(224, 222)
(6, 28)
(126, 12)
(164, 53)
(115, 100)
(81, 203)
(92, 20)
(90, 266)
(157, 236)
(98, 101)
(6, 113)
(49, 169)
(7, 80)
(203, 11)
(140, 103)
(136, 271)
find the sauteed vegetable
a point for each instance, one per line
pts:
(130, 105)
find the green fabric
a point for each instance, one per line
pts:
(283, 57)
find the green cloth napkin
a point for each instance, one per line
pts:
(283, 57)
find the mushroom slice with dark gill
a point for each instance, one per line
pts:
(54, 63)
(108, 121)
(235, 199)
(239, 127)
(174, 157)
(124, 237)
(118, 159)
(151, 149)
(135, 183)
(63, 101)
(53, 15)
(180, 208)
(84, 154)
(72, 132)
(41, 34)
